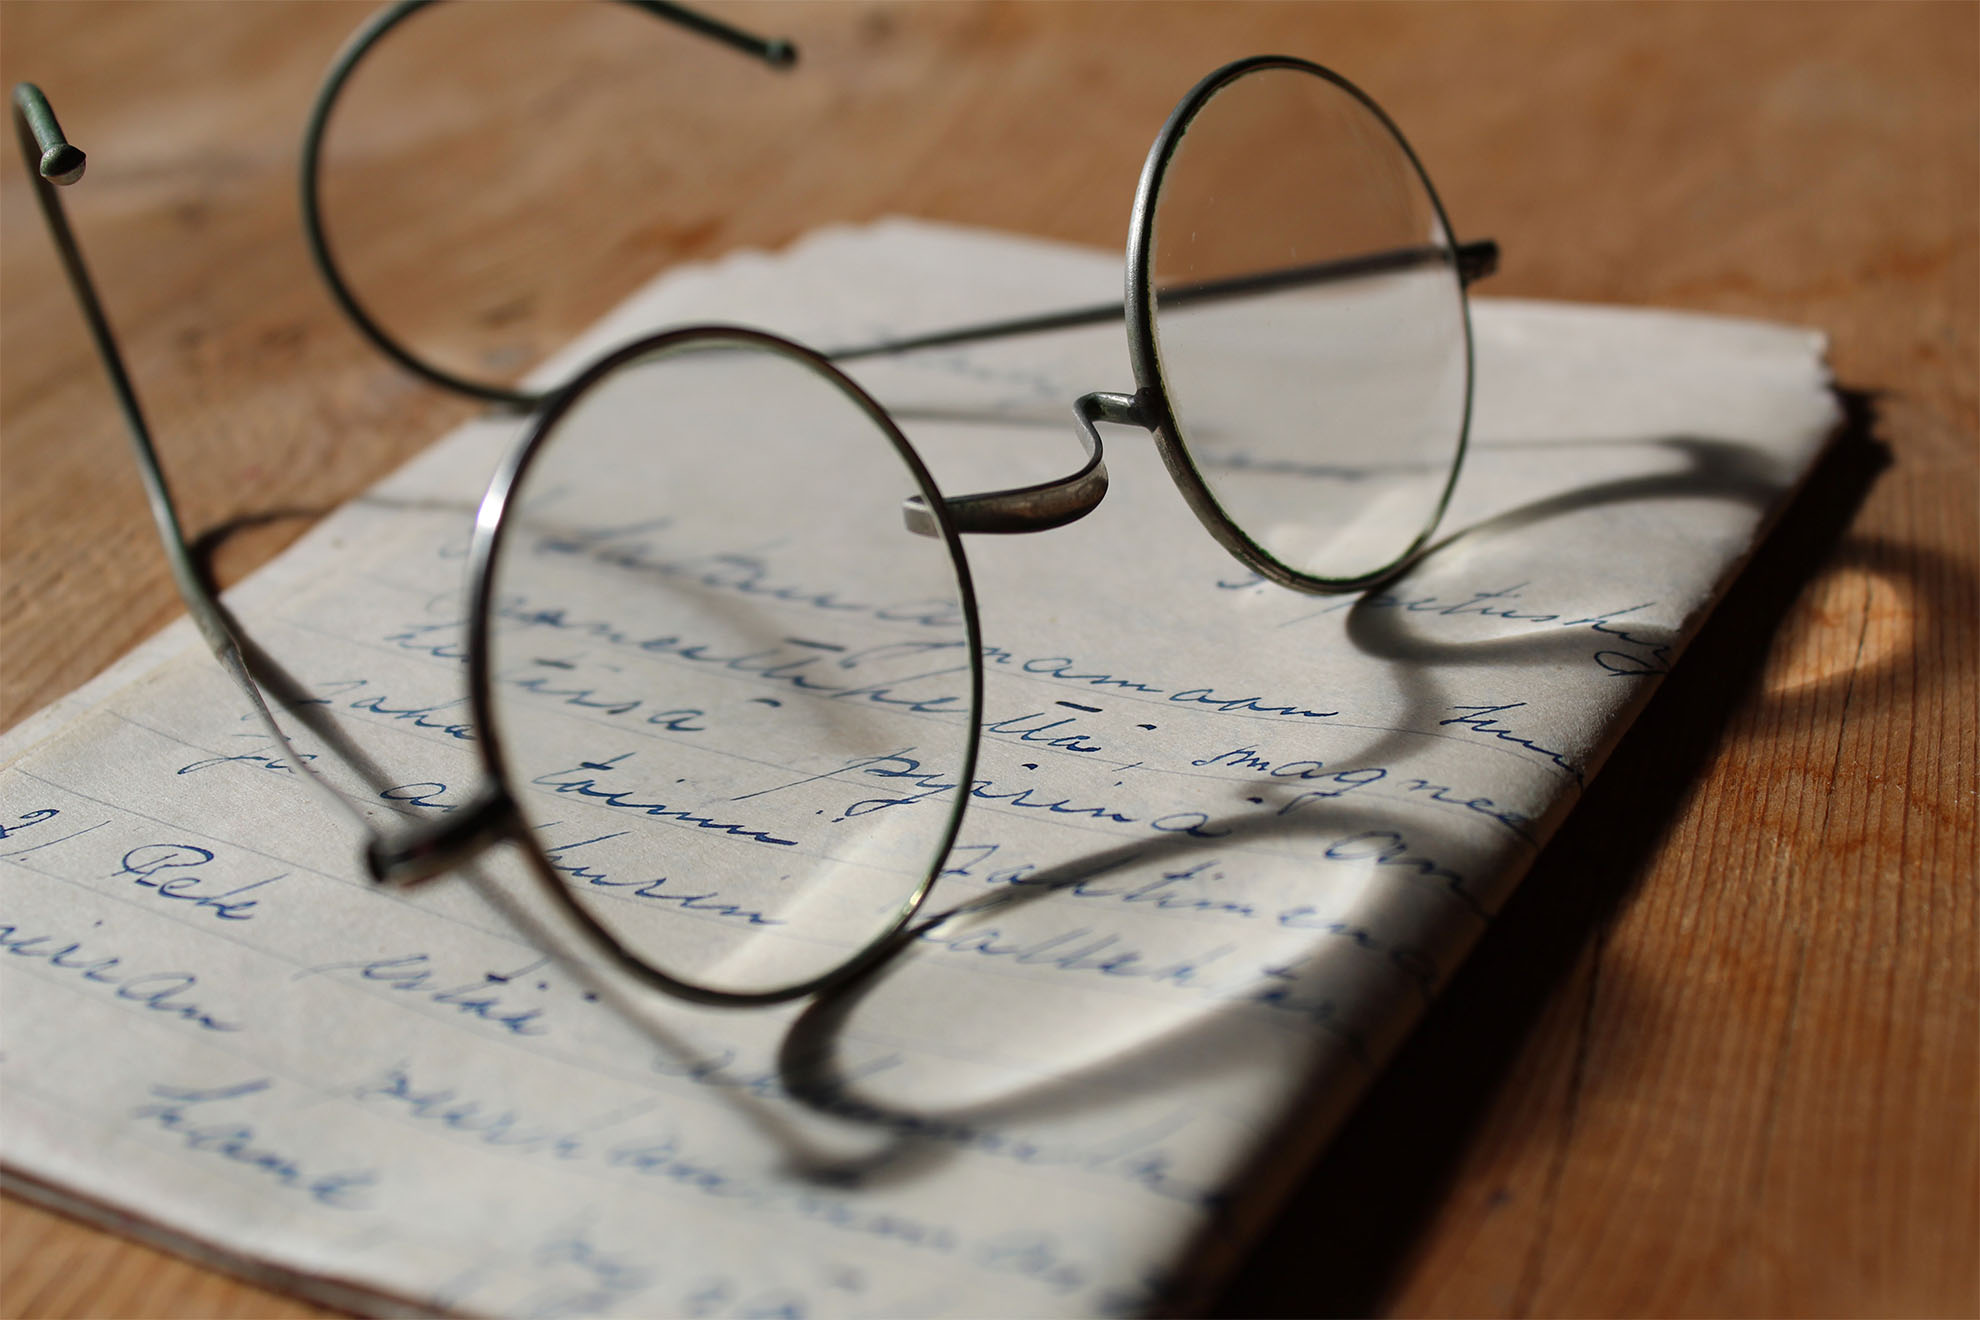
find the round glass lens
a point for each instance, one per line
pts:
(732, 694)
(1310, 325)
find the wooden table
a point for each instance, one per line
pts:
(1720, 1055)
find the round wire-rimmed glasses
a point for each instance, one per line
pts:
(1301, 350)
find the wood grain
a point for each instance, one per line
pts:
(1721, 1057)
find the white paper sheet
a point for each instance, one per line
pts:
(1243, 836)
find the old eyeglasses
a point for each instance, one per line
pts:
(713, 521)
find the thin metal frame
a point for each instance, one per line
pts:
(1144, 348)
(490, 528)
(491, 816)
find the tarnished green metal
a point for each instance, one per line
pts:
(58, 162)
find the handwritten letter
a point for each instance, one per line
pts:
(1221, 845)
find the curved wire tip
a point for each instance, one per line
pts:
(774, 51)
(63, 164)
(60, 162)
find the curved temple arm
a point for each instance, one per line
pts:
(1474, 261)
(776, 53)
(52, 160)
(1029, 508)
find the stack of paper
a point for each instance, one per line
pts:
(1240, 836)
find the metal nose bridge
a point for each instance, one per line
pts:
(1050, 503)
